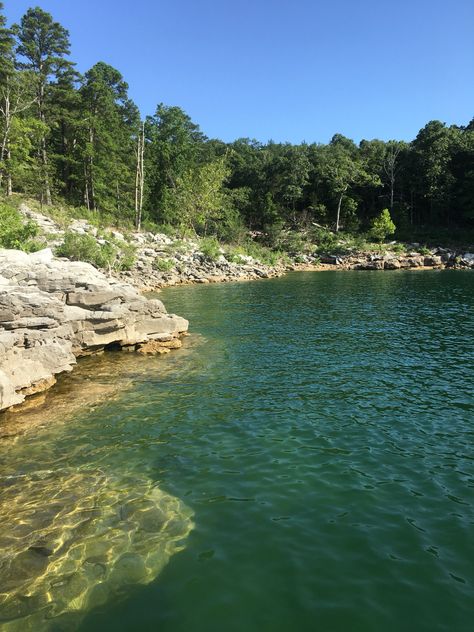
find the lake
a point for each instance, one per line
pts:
(305, 462)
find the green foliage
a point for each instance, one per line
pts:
(162, 265)
(398, 248)
(257, 251)
(76, 138)
(126, 257)
(111, 121)
(382, 226)
(325, 240)
(173, 150)
(198, 197)
(79, 247)
(15, 232)
(210, 248)
(164, 229)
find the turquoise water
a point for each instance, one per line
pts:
(310, 452)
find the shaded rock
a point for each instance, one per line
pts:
(391, 264)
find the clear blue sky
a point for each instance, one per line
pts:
(287, 70)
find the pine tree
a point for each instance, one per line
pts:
(110, 123)
(43, 45)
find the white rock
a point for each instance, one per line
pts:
(42, 256)
(53, 310)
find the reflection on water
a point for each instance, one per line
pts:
(75, 540)
(322, 436)
(75, 534)
(94, 381)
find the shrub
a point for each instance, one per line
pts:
(325, 240)
(398, 248)
(85, 248)
(126, 258)
(15, 232)
(382, 226)
(164, 229)
(162, 265)
(210, 247)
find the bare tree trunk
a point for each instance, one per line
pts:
(6, 111)
(9, 187)
(391, 168)
(338, 217)
(137, 182)
(86, 189)
(43, 150)
(140, 177)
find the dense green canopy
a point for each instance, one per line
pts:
(80, 138)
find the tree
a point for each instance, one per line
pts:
(342, 169)
(433, 150)
(16, 99)
(66, 121)
(140, 177)
(391, 166)
(382, 226)
(198, 197)
(287, 172)
(7, 69)
(175, 145)
(43, 44)
(110, 124)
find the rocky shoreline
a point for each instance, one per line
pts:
(438, 258)
(53, 311)
(161, 261)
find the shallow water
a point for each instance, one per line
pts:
(310, 451)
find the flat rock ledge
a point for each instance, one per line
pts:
(53, 311)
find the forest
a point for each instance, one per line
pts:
(80, 139)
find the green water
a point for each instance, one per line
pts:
(306, 462)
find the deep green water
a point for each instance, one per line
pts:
(310, 450)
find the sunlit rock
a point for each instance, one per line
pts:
(52, 311)
(72, 541)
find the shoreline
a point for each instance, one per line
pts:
(276, 273)
(162, 342)
(54, 311)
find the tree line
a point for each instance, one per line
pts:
(80, 138)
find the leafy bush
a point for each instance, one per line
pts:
(382, 226)
(210, 247)
(398, 248)
(325, 240)
(15, 232)
(126, 257)
(162, 265)
(178, 246)
(85, 248)
(164, 229)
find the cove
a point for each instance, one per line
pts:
(305, 462)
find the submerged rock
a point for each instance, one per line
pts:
(72, 541)
(54, 310)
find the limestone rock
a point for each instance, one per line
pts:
(54, 310)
